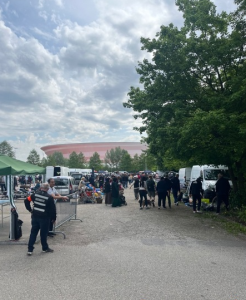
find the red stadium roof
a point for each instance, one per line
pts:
(89, 148)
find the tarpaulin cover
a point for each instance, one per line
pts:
(12, 166)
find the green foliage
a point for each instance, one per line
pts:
(126, 162)
(95, 162)
(6, 149)
(192, 103)
(56, 159)
(81, 161)
(73, 160)
(76, 160)
(113, 157)
(33, 157)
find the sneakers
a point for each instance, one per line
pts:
(198, 211)
(141, 207)
(159, 207)
(29, 253)
(194, 211)
(147, 207)
(48, 250)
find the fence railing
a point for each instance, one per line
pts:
(66, 211)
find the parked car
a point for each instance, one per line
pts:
(65, 185)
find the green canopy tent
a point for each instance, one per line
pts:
(8, 167)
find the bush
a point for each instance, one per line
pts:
(237, 200)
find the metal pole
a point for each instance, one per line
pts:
(13, 207)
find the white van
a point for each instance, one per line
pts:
(209, 174)
(56, 171)
(184, 177)
(65, 185)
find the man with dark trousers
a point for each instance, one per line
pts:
(163, 190)
(196, 192)
(175, 188)
(43, 211)
(53, 192)
(222, 191)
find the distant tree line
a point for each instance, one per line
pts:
(115, 159)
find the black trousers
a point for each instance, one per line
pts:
(196, 198)
(220, 199)
(42, 225)
(162, 197)
(143, 195)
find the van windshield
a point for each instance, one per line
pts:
(61, 182)
(213, 174)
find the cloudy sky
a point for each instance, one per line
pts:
(67, 66)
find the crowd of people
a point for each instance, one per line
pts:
(145, 187)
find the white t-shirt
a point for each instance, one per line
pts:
(52, 191)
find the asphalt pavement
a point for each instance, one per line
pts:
(126, 253)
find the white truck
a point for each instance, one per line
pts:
(184, 177)
(56, 171)
(209, 174)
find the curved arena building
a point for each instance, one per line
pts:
(89, 148)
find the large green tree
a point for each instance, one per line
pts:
(113, 157)
(33, 157)
(56, 159)
(125, 162)
(81, 161)
(192, 100)
(6, 149)
(95, 162)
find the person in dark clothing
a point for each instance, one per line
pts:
(175, 188)
(107, 191)
(124, 180)
(115, 193)
(43, 211)
(222, 191)
(143, 194)
(169, 186)
(92, 181)
(151, 189)
(101, 181)
(162, 190)
(196, 192)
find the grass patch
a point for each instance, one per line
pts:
(228, 220)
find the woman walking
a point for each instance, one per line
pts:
(115, 193)
(107, 191)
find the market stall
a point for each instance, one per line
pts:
(10, 167)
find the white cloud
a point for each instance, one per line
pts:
(68, 83)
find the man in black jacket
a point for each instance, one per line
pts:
(175, 188)
(163, 190)
(196, 192)
(222, 191)
(43, 211)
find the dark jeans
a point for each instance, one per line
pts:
(3, 187)
(136, 193)
(169, 199)
(220, 199)
(51, 226)
(143, 194)
(42, 225)
(124, 183)
(175, 195)
(195, 198)
(162, 196)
